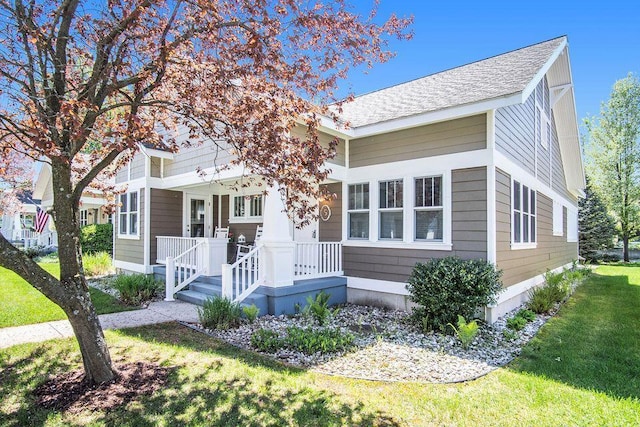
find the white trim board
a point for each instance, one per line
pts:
(375, 285)
(131, 266)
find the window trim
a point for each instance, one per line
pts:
(573, 223)
(247, 199)
(128, 213)
(532, 233)
(558, 219)
(361, 210)
(84, 217)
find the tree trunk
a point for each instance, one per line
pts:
(625, 247)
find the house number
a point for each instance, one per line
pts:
(325, 212)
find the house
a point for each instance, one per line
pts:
(17, 219)
(479, 161)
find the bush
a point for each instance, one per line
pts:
(220, 313)
(37, 251)
(97, 264)
(526, 314)
(318, 308)
(251, 312)
(541, 300)
(136, 289)
(307, 340)
(97, 238)
(516, 323)
(448, 287)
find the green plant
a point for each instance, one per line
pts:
(527, 314)
(220, 313)
(97, 264)
(309, 341)
(318, 307)
(516, 323)
(466, 331)
(443, 288)
(136, 289)
(266, 340)
(251, 312)
(541, 300)
(97, 238)
(509, 334)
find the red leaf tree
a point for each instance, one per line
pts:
(83, 83)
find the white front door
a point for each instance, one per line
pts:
(197, 218)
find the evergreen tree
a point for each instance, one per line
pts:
(596, 226)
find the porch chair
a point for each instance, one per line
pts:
(221, 233)
(258, 233)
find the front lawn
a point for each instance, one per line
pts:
(211, 383)
(22, 304)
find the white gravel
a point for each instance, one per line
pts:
(389, 348)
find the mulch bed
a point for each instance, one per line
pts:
(70, 392)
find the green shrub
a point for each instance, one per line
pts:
(220, 313)
(509, 334)
(526, 314)
(266, 340)
(97, 238)
(447, 287)
(466, 331)
(516, 323)
(97, 264)
(541, 300)
(318, 308)
(307, 340)
(251, 312)
(136, 289)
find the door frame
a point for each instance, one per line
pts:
(186, 213)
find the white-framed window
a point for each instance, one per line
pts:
(84, 217)
(428, 209)
(558, 221)
(248, 207)
(390, 210)
(572, 225)
(523, 230)
(128, 214)
(358, 211)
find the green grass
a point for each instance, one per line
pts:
(594, 342)
(215, 384)
(22, 304)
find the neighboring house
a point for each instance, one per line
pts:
(480, 161)
(93, 204)
(17, 222)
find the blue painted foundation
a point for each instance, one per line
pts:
(284, 300)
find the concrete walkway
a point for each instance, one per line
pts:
(157, 312)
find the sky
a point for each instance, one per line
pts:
(604, 40)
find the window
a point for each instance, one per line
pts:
(558, 221)
(84, 217)
(572, 225)
(524, 214)
(391, 215)
(245, 207)
(428, 208)
(128, 214)
(358, 211)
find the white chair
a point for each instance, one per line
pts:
(258, 233)
(221, 233)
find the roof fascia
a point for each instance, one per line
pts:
(528, 90)
(436, 116)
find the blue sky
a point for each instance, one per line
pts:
(604, 40)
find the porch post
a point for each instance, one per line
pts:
(278, 245)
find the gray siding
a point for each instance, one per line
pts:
(453, 136)
(515, 136)
(188, 159)
(469, 234)
(156, 167)
(166, 216)
(551, 251)
(331, 230)
(131, 250)
(137, 166)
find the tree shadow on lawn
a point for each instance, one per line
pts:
(209, 383)
(594, 341)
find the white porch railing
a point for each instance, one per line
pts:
(244, 276)
(184, 269)
(317, 259)
(171, 246)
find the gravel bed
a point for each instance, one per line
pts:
(388, 348)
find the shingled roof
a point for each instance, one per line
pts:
(490, 78)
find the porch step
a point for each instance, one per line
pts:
(199, 292)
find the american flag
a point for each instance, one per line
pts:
(42, 217)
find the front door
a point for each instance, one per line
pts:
(196, 209)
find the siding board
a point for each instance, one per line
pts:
(449, 137)
(166, 217)
(331, 230)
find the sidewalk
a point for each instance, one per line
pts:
(157, 312)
